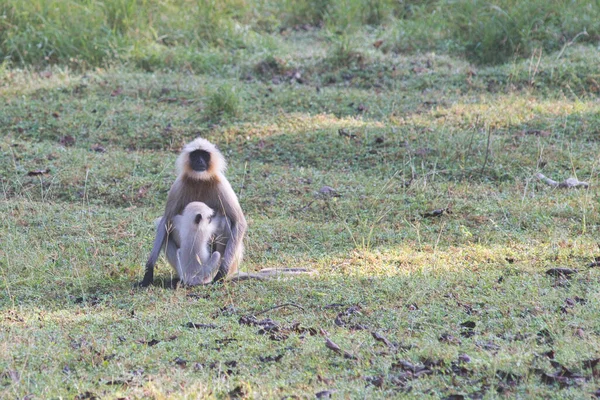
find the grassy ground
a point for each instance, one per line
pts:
(421, 303)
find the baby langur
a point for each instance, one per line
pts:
(192, 233)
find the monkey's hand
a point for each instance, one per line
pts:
(148, 275)
(213, 265)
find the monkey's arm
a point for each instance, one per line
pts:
(211, 266)
(236, 231)
(159, 240)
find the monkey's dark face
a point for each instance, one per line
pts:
(199, 160)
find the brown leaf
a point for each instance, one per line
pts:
(38, 172)
(549, 354)
(537, 132)
(117, 382)
(56, 115)
(464, 358)
(544, 337)
(564, 377)
(270, 358)
(332, 346)
(345, 133)
(180, 362)
(11, 374)
(87, 396)
(328, 191)
(591, 364)
(193, 325)
(296, 327)
(423, 151)
(561, 272)
(116, 92)
(414, 368)
(448, 338)
(378, 43)
(437, 213)
(509, 378)
(238, 392)
(324, 394)
(67, 140)
(489, 345)
(376, 380)
(142, 191)
(98, 148)
(248, 320)
(380, 338)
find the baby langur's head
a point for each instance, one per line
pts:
(198, 212)
(200, 160)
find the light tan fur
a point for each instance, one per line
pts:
(217, 161)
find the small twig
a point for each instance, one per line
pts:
(584, 32)
(305, 207)
(568, 183)
(487, 150)
(243, 180)
(279, 306)
(380, 338)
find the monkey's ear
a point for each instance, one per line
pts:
(198, 218)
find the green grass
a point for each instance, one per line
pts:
(295, 106)
(209, 35)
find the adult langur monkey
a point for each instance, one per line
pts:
(201, 178)
(192, 232)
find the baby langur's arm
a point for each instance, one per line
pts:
(209, 267)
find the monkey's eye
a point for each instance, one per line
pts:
(198, 218)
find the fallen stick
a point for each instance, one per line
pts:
(569, 183)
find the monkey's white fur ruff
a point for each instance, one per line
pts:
(217, 162)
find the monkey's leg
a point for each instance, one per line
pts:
(230, 246)
(219, 246)
(172, 253)
(161, 235)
